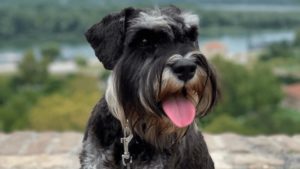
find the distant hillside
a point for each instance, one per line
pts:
(131, 2)
(32, 21)
(203, 2)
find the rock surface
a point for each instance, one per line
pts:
(52, 150)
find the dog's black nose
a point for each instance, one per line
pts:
(184, 69)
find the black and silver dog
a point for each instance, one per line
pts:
(160, 83)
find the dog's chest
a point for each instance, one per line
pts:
(99, 158)
(104, 160)
(157, 163)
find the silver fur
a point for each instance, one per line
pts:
(144, 77)
(150, 19)
(190, 19)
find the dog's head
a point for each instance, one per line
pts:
(160, 80)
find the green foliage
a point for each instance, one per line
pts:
(279, 121)
(250, 102)
(36, 100)
(286, 121)
(246, 91)
(225, 123)
(41, 22)
(248, 20)
(81, 61)
(63, 104)
(297, 39)
(6, 93)
(277, 50)
(104, 75)
(32, 73)
(19, 93)
(284, 50)
(284, 56)
(68, 110)
(14, 110)
(50, 52)
(5, 89)
(251, 95)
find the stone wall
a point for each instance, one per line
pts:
(52, 150)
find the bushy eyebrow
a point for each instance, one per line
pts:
(153, 33)
(192, 33)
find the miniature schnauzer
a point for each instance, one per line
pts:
(160, 83)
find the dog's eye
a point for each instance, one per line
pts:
(148, 43)
(144, 41)
(193, 34)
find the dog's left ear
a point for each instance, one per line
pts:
(107, 37)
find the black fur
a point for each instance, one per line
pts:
(107, 37)
(105, 132)
(139, 56)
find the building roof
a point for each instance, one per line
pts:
(214, 45)
(292, 90)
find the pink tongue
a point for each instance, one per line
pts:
(180, 110)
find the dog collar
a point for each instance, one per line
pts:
(126, 157)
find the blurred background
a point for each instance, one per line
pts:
(50, 78)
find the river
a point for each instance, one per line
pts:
(234, 44)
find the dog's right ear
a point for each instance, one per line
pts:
(107, 37)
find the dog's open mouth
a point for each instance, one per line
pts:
(180, 110)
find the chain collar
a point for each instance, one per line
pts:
(126, 157)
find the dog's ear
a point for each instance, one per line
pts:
(107, 37)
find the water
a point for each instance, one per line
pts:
(246, 43)
(253, 7)
(234, 44)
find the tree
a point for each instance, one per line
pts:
(66, 110)
(32, 72)
(248, 94)
(28, 68)
(50, 52)
(13, 113)
(277, 50)
(81, 61)
(19, 93)
(247, 90)
(226, 123)
(5, 89)
(297, 39)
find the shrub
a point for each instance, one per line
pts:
(225, 123)
(250, 96)
(68, 110)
